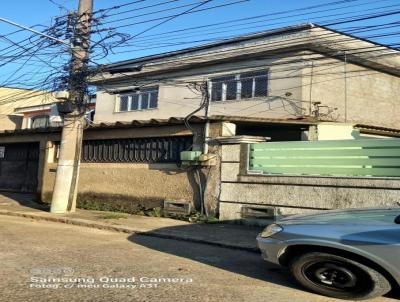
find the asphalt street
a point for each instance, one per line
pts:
(47, 261)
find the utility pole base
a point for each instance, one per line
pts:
(59, 203)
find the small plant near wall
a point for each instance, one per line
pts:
(155, 212)
(201, 218)
(114, 216)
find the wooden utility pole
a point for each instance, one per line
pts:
(65, 187)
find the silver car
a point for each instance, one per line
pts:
(346, 254)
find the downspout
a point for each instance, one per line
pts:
(207, 124)
(205, 146)
(311, 86)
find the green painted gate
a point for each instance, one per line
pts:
(369, 158)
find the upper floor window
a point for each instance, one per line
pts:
(246, 85)
(40, 121)
(141, 100)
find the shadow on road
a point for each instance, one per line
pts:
(236, 261)
(26, 200)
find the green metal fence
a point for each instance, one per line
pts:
(369, 157)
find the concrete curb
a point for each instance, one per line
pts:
(128, 230)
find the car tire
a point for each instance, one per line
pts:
(338, 277)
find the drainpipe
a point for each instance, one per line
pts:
(207, 124)
(311, 86)
(206, 134)
(205, 150)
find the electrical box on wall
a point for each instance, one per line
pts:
(190, 155)
(196, 158)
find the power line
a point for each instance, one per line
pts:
(169, 36)
(348, 20)
(32, 30)
(139, 8)
(153, 12)
(190, 11)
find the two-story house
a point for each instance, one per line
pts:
(293, 73)
(280, 84)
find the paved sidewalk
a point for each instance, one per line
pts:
(226, 235)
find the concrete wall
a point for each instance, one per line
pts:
(294, 195)
(10, 122)
(351, 93)
(128, 186)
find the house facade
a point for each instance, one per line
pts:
(303, 83)
(298, 72)
(47, 115)
(12, 99)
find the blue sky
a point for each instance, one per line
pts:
(276, 14)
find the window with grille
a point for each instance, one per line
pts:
(141, 100)
(136, 150)
(248, 85)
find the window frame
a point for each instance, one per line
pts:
(131, 95)
(237, 78)
(41, 116)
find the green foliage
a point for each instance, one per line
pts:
(114, 216)
(201, 218)
(124, 204)
(117, 203)
(155, 212)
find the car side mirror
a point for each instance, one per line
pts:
(397, 220)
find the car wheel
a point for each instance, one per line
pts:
(338, 277)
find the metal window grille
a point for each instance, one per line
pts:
(247, 85)
(136, 150)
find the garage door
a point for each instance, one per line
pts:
(19, 167)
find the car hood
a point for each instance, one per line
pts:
(349, 216)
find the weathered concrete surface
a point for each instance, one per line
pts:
(318, 197)
(217, 274)
(359, 94)
(10, 122)
(140, 183)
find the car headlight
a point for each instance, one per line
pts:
(270, 230)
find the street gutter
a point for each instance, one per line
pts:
(130, 230)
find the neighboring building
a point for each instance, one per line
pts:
(46, 115)
(304, 71)
(12, 98)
